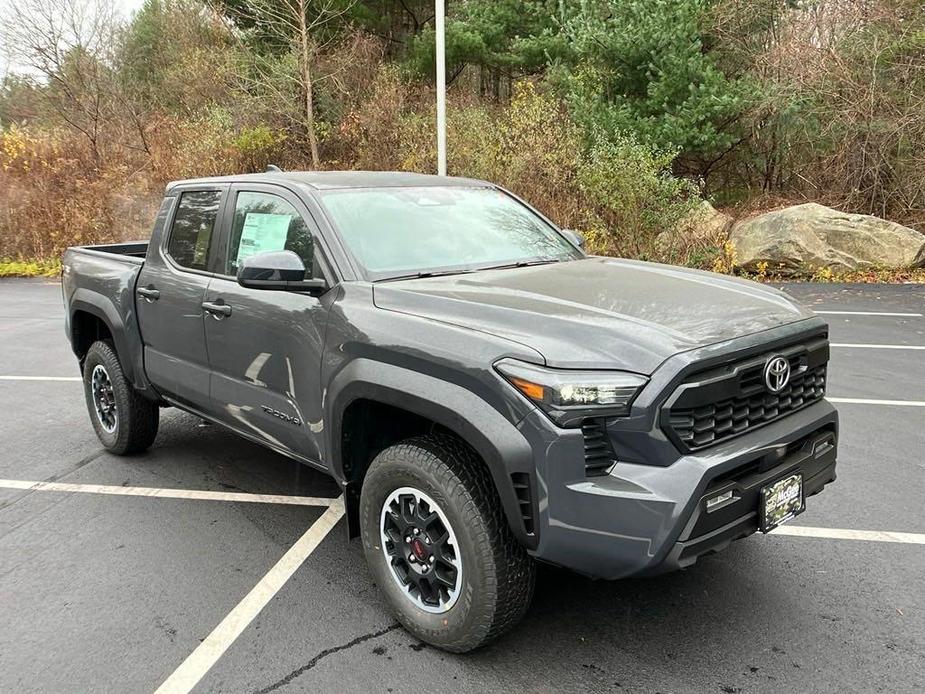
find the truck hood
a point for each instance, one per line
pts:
(597, 312)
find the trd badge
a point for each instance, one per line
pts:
(281, 415)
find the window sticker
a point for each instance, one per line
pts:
(202, 244)
(263, 232)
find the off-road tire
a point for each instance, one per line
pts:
(136, 418)
(497, 576)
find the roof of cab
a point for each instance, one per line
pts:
(329, 180)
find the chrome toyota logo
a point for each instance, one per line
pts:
(776, 373)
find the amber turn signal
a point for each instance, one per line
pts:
(534, 391)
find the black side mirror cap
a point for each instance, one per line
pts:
(574, 237)
(315, 287)
(279, 270)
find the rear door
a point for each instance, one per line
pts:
(170, 292)
(265, 350)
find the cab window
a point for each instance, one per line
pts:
(191, 233)
(265, 222)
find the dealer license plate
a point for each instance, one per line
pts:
(781, 501)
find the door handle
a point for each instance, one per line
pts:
(149, 293)
(218, 311)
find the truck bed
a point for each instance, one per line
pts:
(98, 282)
(135, 250)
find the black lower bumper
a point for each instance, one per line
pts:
(708, 532)
(644, 519)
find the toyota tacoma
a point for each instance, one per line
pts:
(486, 394)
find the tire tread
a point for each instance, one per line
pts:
(138, 417)
(463, 476)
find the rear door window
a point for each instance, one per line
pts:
(191, 234)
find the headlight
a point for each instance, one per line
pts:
(568, 396)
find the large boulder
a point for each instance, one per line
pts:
(809, 237)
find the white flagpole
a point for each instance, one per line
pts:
(440, 21)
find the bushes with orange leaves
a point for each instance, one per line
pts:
(54, 195)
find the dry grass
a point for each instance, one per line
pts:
(825, 275)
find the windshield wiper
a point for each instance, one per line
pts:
(423, 274)
(522, 263)
(441, 273)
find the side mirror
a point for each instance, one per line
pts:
(574, 237)
(280, 270)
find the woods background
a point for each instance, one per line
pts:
(614, 117)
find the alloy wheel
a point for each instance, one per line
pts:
(421, 549)
(104, 401)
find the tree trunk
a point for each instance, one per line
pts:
(310, 116)
(305, 60)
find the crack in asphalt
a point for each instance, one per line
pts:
(324, 654)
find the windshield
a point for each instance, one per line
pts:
(406, 231)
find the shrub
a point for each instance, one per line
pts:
(258, 146)
(621, 192)
(47, 199)
(530, 147)
(53, 196)
(635, 197)
(14, 268)
(369, 135)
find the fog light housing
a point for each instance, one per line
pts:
(714, 502)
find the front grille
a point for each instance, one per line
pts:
(599, 456)
(717, 405)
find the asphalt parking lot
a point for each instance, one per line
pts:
(209, 562)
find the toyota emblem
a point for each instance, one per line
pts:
(776, 373)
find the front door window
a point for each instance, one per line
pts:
(266, 222)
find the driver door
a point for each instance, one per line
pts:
(265, 346)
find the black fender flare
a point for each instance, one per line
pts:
(499, 443)
(128, 345)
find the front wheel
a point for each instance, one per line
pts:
(438, 544)
(125, 422)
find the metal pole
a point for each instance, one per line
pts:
(440, 21)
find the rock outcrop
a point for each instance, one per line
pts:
(808, 237)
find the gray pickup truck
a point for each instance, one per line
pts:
(486, 394)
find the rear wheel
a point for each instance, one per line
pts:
(124, 421)
(438, 544)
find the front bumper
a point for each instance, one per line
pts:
(644, 519)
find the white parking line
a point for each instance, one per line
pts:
(867, 401)
(868, 313)
(845, 534)
(165, 493)
(207, 653)
(40, 378)
(870, 346)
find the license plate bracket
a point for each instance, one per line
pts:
(781, 501)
